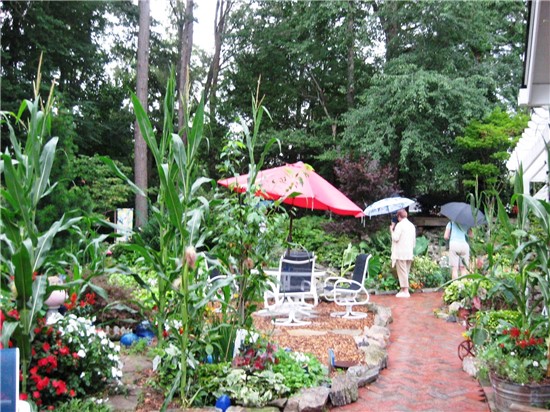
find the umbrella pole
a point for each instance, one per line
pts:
(289, 238)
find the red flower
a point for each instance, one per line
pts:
(46, 347)
(72, 303)
(60, 387)
(52, 360)
(82, 303)
(75, 355)
(42, 383)
(2, 319)
(42, 362)
(14, 314)
(165, 333)
(33, 352)
(72, 393)
(36, 394)
(522, 344)
(51, 408)
(23, 396)
(37, 330)
(64, 351)
(515, 332)
(90, 298)
(34, 370)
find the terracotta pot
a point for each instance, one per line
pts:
(508, 393)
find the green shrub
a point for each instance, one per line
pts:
(300, 370)
(427, 274)
(87, 405)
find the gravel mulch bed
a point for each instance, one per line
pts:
(336, 333)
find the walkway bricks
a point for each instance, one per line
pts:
(424, 372)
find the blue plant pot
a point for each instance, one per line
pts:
(143, 327)
(223, 403)
(147, 334)
(128, 339)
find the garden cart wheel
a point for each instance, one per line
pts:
(466, 348)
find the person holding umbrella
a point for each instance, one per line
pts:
(403, 236)
(459, 248)
(463, 217)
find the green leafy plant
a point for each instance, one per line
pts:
(180, 211)
(248, 229)
(300, 370)
(517, 355)
(425, 273)
(517, 257)
(25, 172)
(83, 405)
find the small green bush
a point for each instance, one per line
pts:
(300, 370)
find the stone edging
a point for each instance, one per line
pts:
(344, 390)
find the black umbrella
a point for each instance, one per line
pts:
(463, 214)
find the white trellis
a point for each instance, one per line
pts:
(531, 152)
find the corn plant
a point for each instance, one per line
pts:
(180, 211)
(25, 173)
(247, 228)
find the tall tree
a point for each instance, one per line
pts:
(443, 67)
(185, 19)
(486, 146)
(140, 147)
(310, 57)
(75, 56)
(223, 8)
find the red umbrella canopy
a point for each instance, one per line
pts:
(298, 185)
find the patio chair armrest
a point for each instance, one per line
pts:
(331, 280)
(349, 282)
(350, 293)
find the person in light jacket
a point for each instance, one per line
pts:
(403, 236)
(459, 248)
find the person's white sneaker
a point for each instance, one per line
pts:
(403, 295)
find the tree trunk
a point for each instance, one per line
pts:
(351, 55)
(140, 147)
(222, 11)
(185, 63)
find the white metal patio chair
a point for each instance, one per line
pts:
(293, 285)
(349, 292)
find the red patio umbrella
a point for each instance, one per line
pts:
(298, 185)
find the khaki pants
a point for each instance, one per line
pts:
(403, 268)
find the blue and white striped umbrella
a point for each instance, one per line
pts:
(387, 205)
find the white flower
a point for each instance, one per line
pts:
(512, 353)
(104, 341)
(82, 375)
(81, 353)
(53, 318)
(535, 364)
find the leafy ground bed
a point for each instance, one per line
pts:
(323, 333)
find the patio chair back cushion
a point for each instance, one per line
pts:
(360, 270)
(296, 268)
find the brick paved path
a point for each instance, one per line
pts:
(424, 372)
